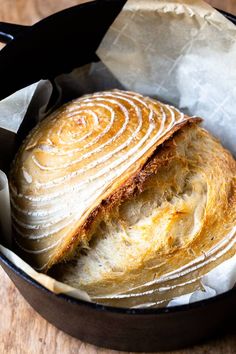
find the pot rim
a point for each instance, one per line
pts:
(120, 310)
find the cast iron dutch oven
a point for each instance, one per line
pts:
(53, 46)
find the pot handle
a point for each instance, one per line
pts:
(8, 31)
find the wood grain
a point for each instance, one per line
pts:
(22, 330)
(226, 5)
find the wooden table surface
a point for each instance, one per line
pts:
(22, 330)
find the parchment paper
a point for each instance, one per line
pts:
(181, 52)
(5, 210)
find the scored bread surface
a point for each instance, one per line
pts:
(76, 163)
(177, 223)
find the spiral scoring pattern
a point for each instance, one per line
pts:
(73, 158)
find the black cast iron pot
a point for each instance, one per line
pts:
(53, 46)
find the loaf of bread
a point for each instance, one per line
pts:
(125, 196)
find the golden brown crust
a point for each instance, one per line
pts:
(82, 158)
(129, 188)
(190, 223)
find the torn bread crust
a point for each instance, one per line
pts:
(115, 195)
(64, 170)
(213, 170)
